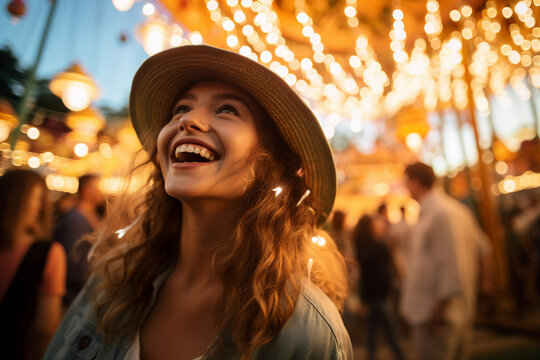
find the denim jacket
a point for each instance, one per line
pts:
(315, 331)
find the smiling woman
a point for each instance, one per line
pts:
(215, 263)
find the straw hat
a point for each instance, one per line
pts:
(162, 79)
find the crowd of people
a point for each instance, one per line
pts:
(424, 274)
(39, 277)
(432, 265)
(216, 257)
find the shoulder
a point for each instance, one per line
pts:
(315, 330)
(57, 254)
(54, 273)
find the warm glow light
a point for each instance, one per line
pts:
(307, 31)
(33, 162)
(455, 15)
(212, 5)
(232, 40)
(507, 12)
(33, 133)
(290, 79)
(509, 185)
(501, 167)
(335, 68)
(154, 36)
(266, 56)
(105, 150)
(350, 11)
(4, 131)
(74, 87)
(414, 142)
(355, 61)
(466, 11)
(239, 16)
(81, 150)
(148, 9)
(47, 156)
(196, 38)
(521, 8)
(302, 17)
(397, 14)
(176, 40)
(247, 30)
(228, 25)
(245, 50)
(122, 5)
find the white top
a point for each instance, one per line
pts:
(444, 255)
(134, 351)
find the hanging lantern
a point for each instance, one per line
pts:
(16, 8)
(154, 35)
(85, 125)
(123, 5)
(76, 89)
(8, 119)
(412, 127)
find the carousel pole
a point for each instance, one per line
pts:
(22, 109)
(534, 110)
(488, 210)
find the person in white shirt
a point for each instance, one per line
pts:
(439, 291)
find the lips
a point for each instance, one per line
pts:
(193, 151)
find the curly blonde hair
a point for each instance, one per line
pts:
(262, 266)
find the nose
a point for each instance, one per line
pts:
(195, 120)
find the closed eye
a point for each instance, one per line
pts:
(181, 109)
(228, 109)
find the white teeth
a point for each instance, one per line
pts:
(192, 148)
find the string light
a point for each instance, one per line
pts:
(33, 133)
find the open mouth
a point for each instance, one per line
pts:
(193, 153)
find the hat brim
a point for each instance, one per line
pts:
(162, 79)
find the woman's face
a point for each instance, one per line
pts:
(205, 151)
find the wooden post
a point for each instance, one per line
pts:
(488, 211)
(22, 109)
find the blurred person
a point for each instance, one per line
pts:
(399, 234)
(82, 219)
(32, 270)
(339, 233)
(216, 258)
(381, 223)
(63, 204)
(376, 274)
(439, 290)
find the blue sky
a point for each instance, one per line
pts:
(87, 31)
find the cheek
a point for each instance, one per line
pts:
(163, 139)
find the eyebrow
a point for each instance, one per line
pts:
(225, 96)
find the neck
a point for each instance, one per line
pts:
(205, 226)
